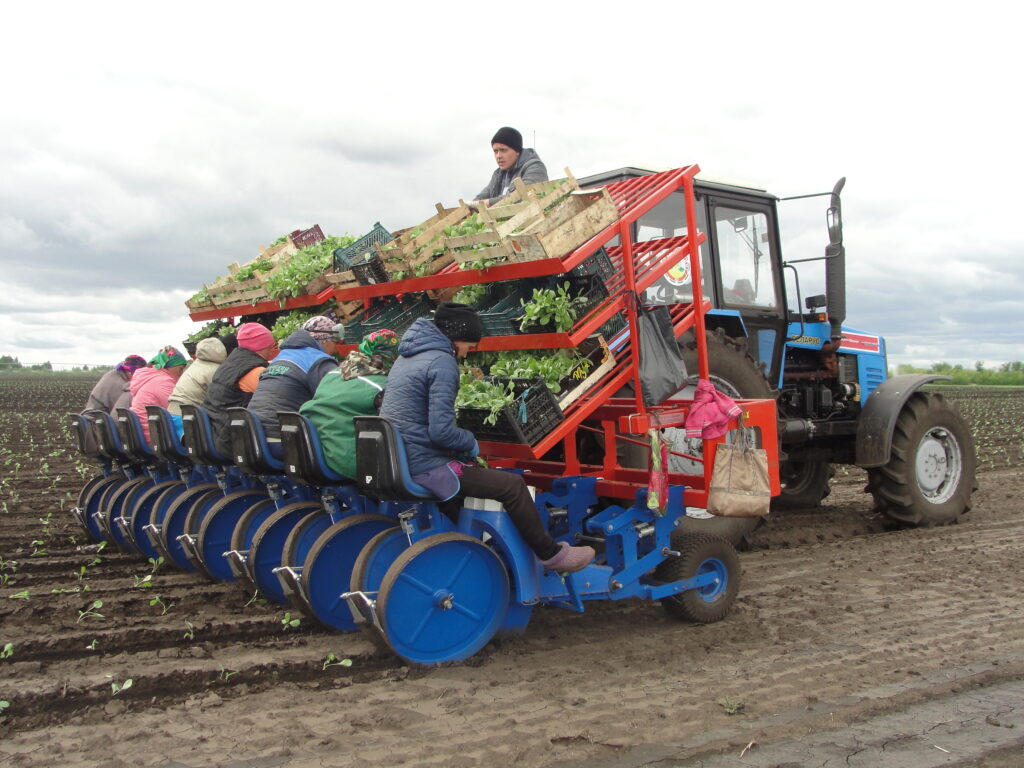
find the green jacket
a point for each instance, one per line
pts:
(331, 410)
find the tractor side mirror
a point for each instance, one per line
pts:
(814, 302)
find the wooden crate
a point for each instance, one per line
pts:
(250, 296)
(585, 377)
(339, 280)
(579, 217)
(279, 251)
(406, 247)
(522, 197)
(347, 310)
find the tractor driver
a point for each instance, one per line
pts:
(514, 162)
(420, 402)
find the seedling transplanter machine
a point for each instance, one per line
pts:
(378, 554)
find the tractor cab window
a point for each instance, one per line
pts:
(668, 219)
(744, 245)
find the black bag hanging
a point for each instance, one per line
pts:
(662, 370)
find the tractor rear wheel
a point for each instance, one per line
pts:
(734, 373)
(930, 475)
(804, 484)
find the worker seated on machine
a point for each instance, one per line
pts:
(420, 402)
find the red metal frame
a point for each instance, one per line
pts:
(639, 265)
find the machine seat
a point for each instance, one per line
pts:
(381, 464)
(81, 428)
(107, 438)
(130, 426)
(198, 439)
(304, 458)
(164, 436)
(249, 447)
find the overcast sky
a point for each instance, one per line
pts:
(144, 146)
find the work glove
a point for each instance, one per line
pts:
(472, 453)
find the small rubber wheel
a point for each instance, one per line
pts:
(375, 559)
(215, 529)
(173, 523)
(701, 555)
(328, 569)
(443, 599)
(89, 502)
(268, 547)
(141, 515)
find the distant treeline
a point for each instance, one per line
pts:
(9, 364)
(1006, 375)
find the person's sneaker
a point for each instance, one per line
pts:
(569, 559)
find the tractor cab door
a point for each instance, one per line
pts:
(747, 271)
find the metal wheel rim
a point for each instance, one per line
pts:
(938, 464)
(711, 592)
(443, 600)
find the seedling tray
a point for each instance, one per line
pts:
(541, 411)
(355, 253)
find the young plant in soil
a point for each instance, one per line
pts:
(334, 661)
(91, 612)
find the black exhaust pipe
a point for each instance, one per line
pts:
(835, 265)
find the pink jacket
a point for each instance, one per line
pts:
(709, 416)
(150, 386)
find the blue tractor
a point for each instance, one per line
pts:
(835, 401)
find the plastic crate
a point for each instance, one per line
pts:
(397, 317)
(598, 263)
(355, 253)
(503, 318)
(534, 401)
(370, 272)
(613, 326)
(590, 287)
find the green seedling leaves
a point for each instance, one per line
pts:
(334, 661)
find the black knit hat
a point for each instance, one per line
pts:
(458, 322)
(510, 137)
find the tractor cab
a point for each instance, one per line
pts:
(741, 260)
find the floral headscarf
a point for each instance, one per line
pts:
(375, 356)
(131, 364)
(168, 357)
(382, 344)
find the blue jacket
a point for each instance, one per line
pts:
(290, 379)
(420, 398)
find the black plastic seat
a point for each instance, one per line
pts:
(381, 463)
(107, 438)
(304, 459)
(82, 429)
(199, 442)
(249, 448)
(130, 427)
(164, 437)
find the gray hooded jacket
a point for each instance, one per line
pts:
(529, 167)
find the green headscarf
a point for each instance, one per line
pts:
(168, 357)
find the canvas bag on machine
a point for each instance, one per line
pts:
(662, 371)
(739, 481)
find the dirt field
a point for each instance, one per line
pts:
(851, 644)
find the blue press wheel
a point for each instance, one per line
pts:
(249, 523)
(173, 524)
(141, 515)
(443, 599)
(268, 546)
(302, 537)
(116, 508)
(131, 499)
(215, 528)
(701, 555)
(89, 502)
(328, 568)
(375, 559)
(102, 517)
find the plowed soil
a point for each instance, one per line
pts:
(852, 643)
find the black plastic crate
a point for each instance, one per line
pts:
(398, 317)
(534, 401)
(345, 258)
(504, 318)
(592, 353)
(590, 287)
(598, 263)
(370, 272)
(613, 325)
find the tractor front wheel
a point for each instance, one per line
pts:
(929, 478)
(804, 484)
